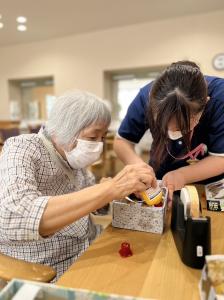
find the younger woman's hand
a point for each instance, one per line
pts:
(173, 180)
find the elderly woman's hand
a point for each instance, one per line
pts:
(133, 179)
(104, 179)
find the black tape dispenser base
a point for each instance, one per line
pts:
(192, 235)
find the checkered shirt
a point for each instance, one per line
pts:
(28, 178)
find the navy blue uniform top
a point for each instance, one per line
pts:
(209, 131)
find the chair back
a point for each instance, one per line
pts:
(6, 133)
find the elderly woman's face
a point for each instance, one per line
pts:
(88, 146)
(95, 132)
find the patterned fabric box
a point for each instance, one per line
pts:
(139, 217)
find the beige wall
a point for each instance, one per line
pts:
(79, 61)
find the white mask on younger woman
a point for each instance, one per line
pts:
(174, 135)
(84, 154)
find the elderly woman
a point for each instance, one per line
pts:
(46, 192)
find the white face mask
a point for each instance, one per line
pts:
(84, 154)
(174, 135)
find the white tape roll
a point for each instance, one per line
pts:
(190, 199)
(185, 198)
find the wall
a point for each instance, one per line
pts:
(79, 61)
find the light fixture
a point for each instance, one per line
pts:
(1, 24)
(21, 19)
(21, 27)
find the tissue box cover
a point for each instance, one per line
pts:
(211, 285)
(139, 217)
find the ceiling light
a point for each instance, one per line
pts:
(1, 25)
(21, 28)
(21, 19)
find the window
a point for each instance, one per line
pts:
(31, 99)
(121, 87)
(126, 91)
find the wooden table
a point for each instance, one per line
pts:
(154, 271)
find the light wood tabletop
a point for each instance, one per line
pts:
(154, 271)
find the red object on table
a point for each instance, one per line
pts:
(125, 250)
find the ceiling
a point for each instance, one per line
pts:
(56, 18)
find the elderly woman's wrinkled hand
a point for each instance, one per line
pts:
(104, 179)
(133, 179)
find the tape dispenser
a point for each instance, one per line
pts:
(191, 231)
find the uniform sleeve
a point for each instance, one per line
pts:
(135, 122)
(22, 205)
(216, 124)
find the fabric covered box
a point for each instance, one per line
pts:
(139, 217)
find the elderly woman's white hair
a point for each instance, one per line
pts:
(74, 111)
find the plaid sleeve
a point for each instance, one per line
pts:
(22, 205)
(90, 178)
